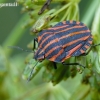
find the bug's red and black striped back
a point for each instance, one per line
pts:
(64, 40)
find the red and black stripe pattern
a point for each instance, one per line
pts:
(64, 40)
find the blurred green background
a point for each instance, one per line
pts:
(15, 26)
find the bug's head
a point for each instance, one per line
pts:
(39, 55)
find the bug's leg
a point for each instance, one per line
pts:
(47, 3)
(34, 44)
(73, 64)
(55, 66)
(84, 54)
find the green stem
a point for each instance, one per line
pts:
(78, 15)
(69, 14)
(63, 8)
(76, 12)
(66, 14)
(15, 35)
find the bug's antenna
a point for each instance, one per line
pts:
(32, 71)
(16, 47)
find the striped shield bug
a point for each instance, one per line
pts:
(64, 40)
